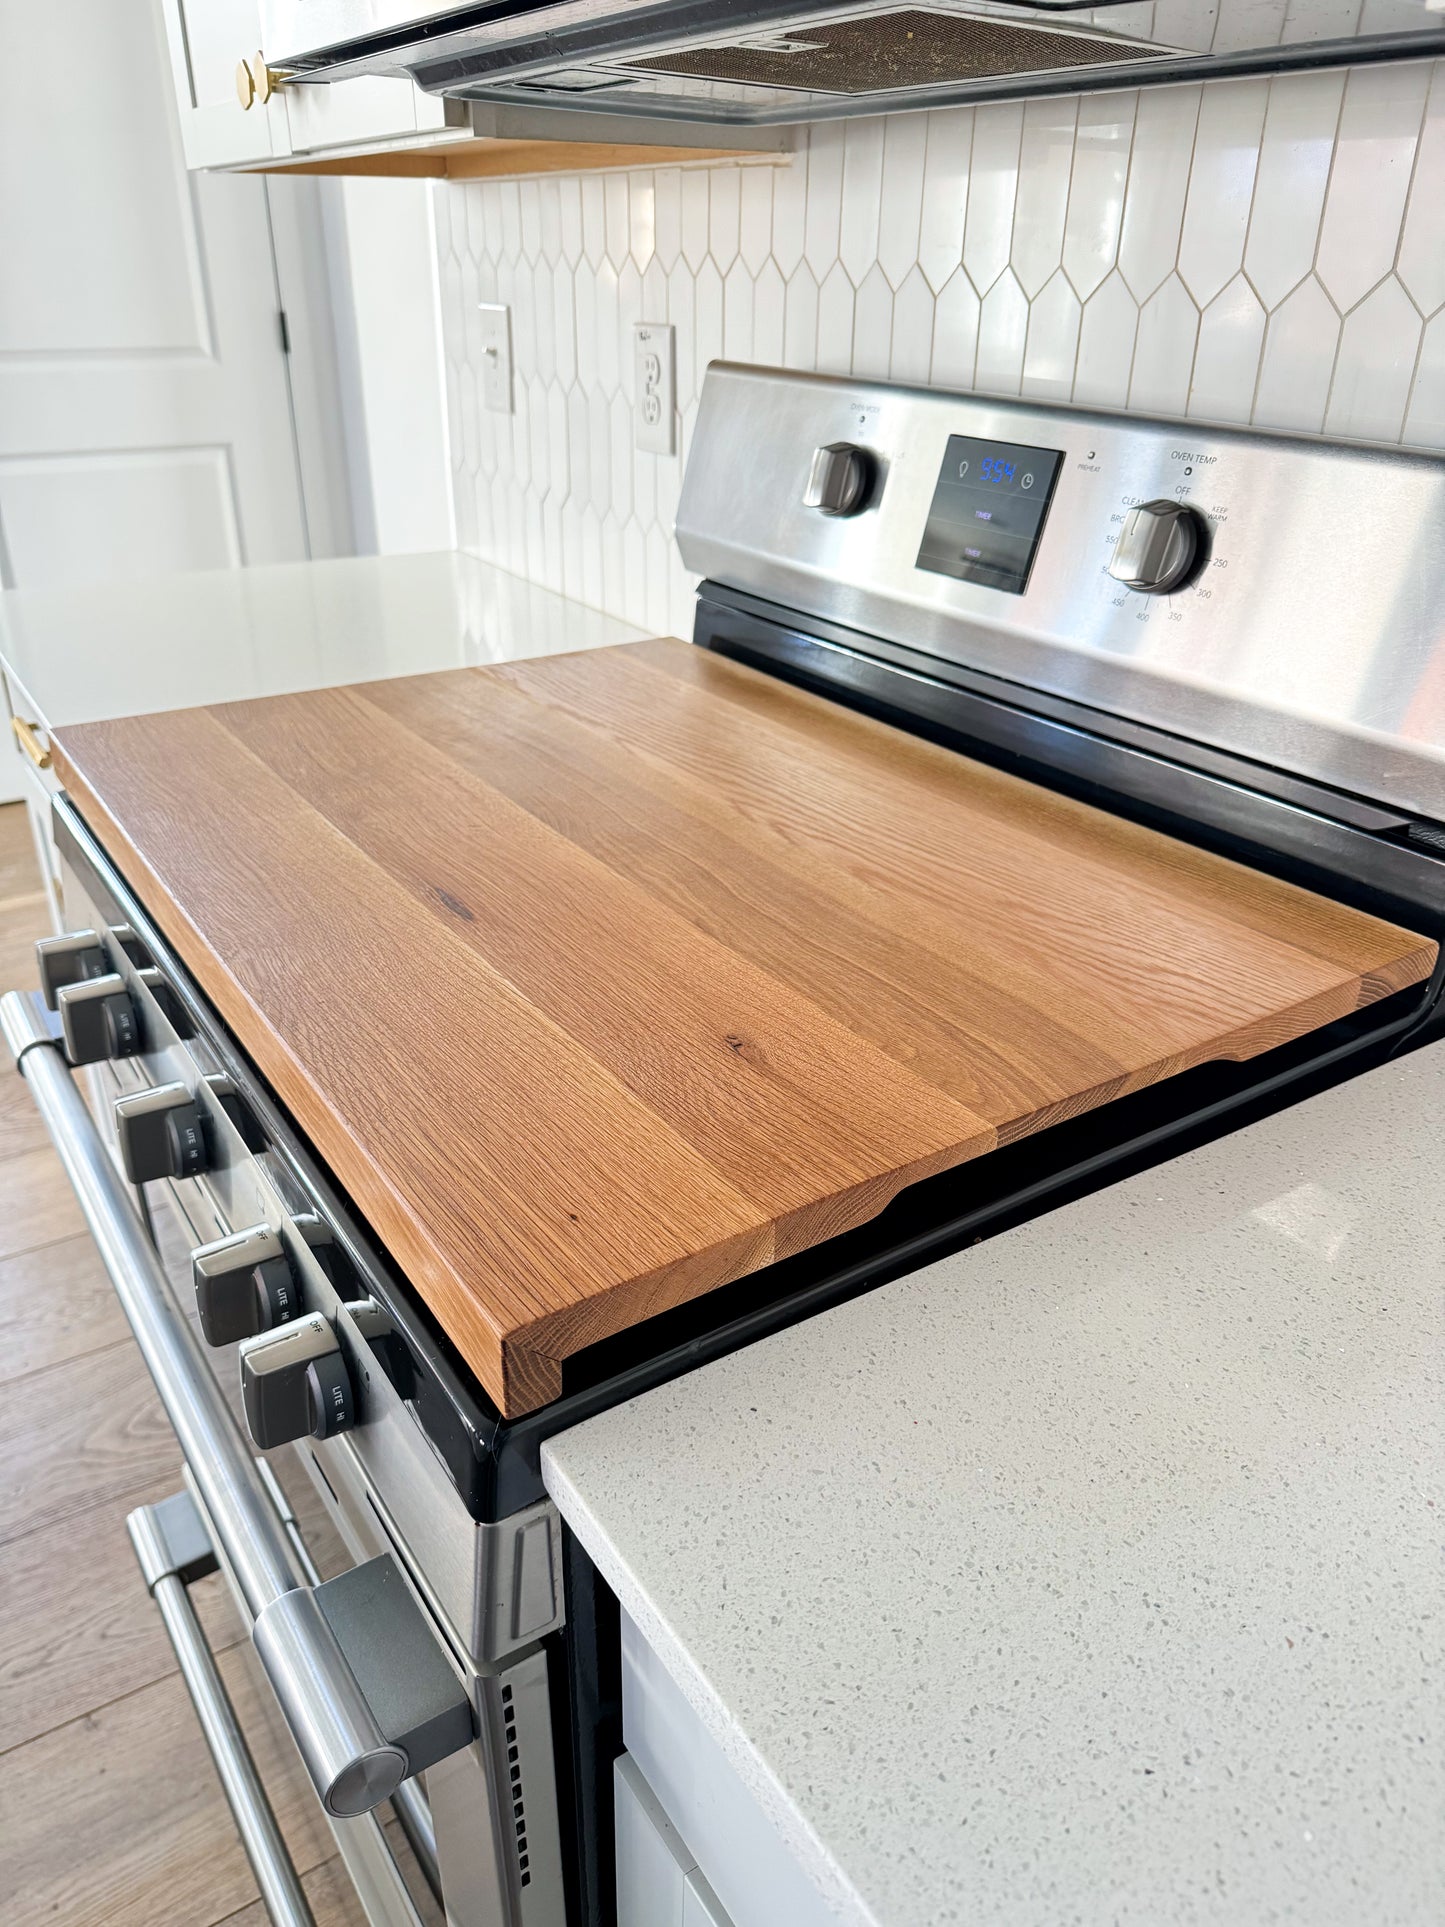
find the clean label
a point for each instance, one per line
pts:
(656, 386)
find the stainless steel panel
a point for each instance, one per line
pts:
(314, 1686)
(1312, 640)
(750, 59)
(382, 1479)
(495, 1807)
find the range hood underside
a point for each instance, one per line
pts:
(761, 61)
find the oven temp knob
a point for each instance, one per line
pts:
(294, 1383)
(98, 1020)
(162, 1134)
(72, 959)
(839, 479)
(1158, 546)
(244, 1285)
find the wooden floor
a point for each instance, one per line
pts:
(110, 1810)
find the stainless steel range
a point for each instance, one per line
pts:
(1234, 638)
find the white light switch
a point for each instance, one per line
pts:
(496, 357)
(656, 387)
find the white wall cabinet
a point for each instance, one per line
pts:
(381, 124)
(208, 39)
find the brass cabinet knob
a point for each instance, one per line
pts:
(265, 82)
(255, 81)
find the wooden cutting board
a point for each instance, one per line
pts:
(604, 979)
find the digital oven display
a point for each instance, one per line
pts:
(988, 512)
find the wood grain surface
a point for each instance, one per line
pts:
(57, 1303)
(129, 1828)
(603, 979)
(101, 1434)
(70, 1648)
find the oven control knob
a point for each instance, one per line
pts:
(71, 959)
(98, 1020)
(244, 1285)
(839, 479)
(162, 1134)
(294, 1383)
(1158, 546)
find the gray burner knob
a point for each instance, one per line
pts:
(839, 479)
(294, 1383)
(71, 959)
(98, 1019)
(244, 1285)
(162, 1134)
(1157, 547)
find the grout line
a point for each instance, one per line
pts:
(1407, 201)
(1113, 267)
(1319, 243)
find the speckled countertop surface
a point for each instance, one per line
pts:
(1091, 1576)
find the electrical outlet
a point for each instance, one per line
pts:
(656, 386)
(496, 357)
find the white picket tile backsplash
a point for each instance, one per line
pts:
(1265, 251)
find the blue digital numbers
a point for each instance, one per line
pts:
(994, 469)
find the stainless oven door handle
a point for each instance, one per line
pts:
(352, 1764)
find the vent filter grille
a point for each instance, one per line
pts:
(906, 48)
(514, 1775)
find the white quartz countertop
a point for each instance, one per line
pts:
(1092, 1575)
(170, 642)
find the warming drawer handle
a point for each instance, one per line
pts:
(352, 1764)
(153, 1532)
(174, 1547)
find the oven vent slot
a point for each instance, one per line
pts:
(906, 47)
(514, 1771)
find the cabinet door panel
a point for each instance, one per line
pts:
(218, 34)
(652, 1860)
(207, 39)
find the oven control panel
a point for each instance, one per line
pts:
(988, 511)
(1274, 596)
